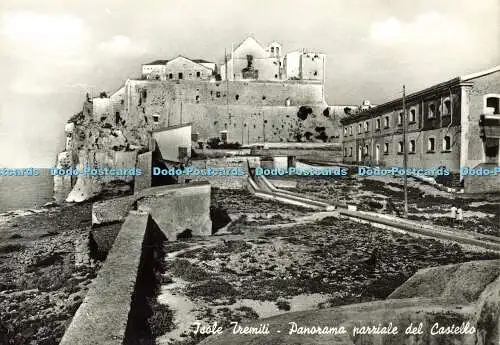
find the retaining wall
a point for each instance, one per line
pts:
(104, 314)
(173, 207)
(222, 182)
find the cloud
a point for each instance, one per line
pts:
(122, 45)
(30, 31)
(430, 28)
(43, 49)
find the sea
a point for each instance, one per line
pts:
(25, 192)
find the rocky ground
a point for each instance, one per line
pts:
(256, 271)
(40, 285)
(425, 203)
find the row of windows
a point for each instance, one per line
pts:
(490, 101)
(412, 147)
(412, 116)
(180, 75)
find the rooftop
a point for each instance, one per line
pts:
(410, 97)
(157, 62)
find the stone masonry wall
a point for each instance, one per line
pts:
(104, 314)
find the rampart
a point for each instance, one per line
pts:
(104, 314)
(247, 111)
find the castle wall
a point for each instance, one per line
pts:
(248, 111)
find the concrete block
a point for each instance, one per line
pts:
(180, 208)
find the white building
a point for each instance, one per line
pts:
(179, 68)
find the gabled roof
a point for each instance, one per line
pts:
(157, 62)
(193, 61)
(200, 61)
(250, 37)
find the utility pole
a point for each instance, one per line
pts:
(263, 126)
(405, 155)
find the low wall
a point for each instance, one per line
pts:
(178, 209)
(331, 155)
(103, 316)
(174, 208)
(222, 182)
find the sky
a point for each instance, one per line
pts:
(53, 51)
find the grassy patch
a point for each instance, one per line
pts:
(212, 289)
(186, 270)
(11, 248)
(161, 321)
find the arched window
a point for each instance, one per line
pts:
(446, 107)
(412, 146)
(431, 145)
(447, 143)
(400, 118)
(412, 116)
(432, 111)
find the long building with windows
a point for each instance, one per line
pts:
(443, 126)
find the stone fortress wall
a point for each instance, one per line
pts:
(249, 111)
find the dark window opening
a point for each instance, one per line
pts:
(447, 143)
(431, 145)
(180, 75)
(276, 76)
(447, 107)
(432, 111)
(315, 73)
(412, 146)
(156, 118)
(170, 76)
(412, 115)
(237, 97)
(198, 74)
(197, 98)
(493, 102)
(400, 147)
(263, 98)
(217, 94)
